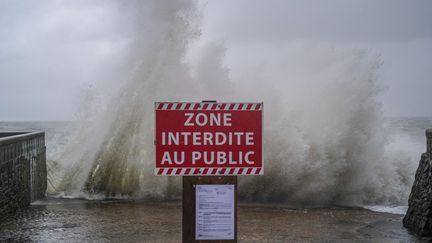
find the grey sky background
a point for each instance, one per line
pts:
(51, 50)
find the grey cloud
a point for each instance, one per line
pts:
(335, 21)
(49, 49)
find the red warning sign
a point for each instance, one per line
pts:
(208, 139)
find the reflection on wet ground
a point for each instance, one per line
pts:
(93, 221)
(68, 220)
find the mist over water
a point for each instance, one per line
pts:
(325, 142)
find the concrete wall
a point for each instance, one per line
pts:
(23, 174)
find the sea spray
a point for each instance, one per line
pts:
(324, 140)
(110, 154)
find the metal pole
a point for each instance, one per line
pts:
(429, 142)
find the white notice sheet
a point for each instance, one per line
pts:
(214, 212)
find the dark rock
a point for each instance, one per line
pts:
(418, 218)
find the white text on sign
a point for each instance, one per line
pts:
(208, 138)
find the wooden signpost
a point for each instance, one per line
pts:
(209, 144)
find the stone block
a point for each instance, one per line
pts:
(16, 159)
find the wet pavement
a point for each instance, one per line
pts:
(71, 220)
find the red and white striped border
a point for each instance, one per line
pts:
(208, 171)
(210, 106)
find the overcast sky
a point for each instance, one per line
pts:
(50, 50)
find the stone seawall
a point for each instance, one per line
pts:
(23, 173)
(418, 218)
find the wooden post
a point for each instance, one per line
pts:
(188, 222)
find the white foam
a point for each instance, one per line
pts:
(324, 140)
(388, 209)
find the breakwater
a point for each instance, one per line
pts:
(23, 173)
(418, 218)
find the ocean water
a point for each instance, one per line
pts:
(408, 134)
(405, 134)
(57, 133)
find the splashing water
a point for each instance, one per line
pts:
(324, 141)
